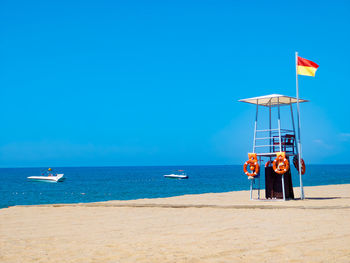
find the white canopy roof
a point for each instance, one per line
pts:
(273, 100)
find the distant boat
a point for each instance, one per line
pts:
(48, 176)
(179, 174)
(53, 178)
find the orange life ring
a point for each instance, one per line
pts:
(296, 164)
(253, 166)
(280, 165)
(267, 164)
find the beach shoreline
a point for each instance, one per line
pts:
(214, 227)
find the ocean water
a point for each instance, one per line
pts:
(91, 184)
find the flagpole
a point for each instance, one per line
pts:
(299, 141)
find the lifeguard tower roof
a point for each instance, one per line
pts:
(273, 100)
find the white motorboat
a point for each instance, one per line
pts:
(180, 174)
(54, 178)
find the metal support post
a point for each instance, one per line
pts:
(270, 132)
(299, 143)
(284, 194)
(280, 141)
(279, 125)
(251, 189)
(256, 124)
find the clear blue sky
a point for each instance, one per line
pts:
(89, 83)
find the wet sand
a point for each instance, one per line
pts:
(215, 227)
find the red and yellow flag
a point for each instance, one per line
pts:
(306, 67)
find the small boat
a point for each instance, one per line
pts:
(48, 176)
(180, 174)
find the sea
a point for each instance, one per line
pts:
(92, 184)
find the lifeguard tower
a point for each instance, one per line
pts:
(274, 146)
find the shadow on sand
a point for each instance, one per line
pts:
(322, 198)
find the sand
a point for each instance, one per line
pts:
(216, 227)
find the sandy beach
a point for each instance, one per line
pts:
(215, 227)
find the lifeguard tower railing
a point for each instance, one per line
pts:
(267, 142)
(274, 140)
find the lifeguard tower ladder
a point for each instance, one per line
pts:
(274, 142)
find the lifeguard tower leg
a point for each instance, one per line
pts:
(251, 189)
(280, 144)
(283, 191)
